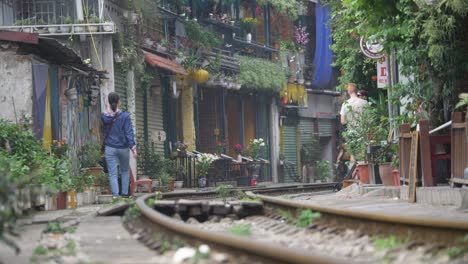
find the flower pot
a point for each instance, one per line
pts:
(239, 157)
(64, 29)
(178, 184)
(396, 177)
(93, 28)
(363, 172)
(385, 172)
(27, 29)
(248, 37)
(108, 27)
(171, 184)
(78, 29)
(202, 182)
(52, 29)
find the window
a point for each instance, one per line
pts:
(45, 11)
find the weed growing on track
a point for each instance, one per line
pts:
(285, 214)
(241, 230)
(459, 249)
(132, 212)
(307, 218)
(56, 228)
(388, 242)
(248, 199)
(223, 191)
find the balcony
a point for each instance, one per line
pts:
(65, 29)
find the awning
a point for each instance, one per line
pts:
(158, 61)
(49, 49)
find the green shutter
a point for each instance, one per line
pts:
(263, 131)
(120, 85)
(325, 127)
(306, 130)
(290, 153)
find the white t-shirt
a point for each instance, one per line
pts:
(356, 104)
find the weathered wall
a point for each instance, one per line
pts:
(16, 86)
(320, 105)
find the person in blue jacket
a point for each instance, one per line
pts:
(118, 139)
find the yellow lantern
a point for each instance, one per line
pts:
(200, 75)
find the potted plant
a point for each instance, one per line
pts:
(323, 171)
(365, 130)
(384, 158)
(78, 28)
(81, 184)
(90, 158)
(247, 25)
(220, 147)
(66, 22)
(239, 149)
(202, 164)
(301, 37)
(26, 25)
(310, 154)
(40, 26)
(181, 148)
(93, 19)
(254, 150)
(52, 27)
(108, 26)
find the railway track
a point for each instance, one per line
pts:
(263, 252)
(415, 228)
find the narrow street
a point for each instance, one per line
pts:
(246, 131)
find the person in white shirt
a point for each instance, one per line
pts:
(353, 106)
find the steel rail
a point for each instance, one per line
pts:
(446, 230)
(284, 189)
(267, 251)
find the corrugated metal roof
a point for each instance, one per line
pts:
(158, 61)
(48, 48)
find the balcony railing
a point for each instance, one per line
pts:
(65, 29)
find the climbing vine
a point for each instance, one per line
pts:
(429, 40)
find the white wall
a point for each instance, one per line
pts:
(16, 85)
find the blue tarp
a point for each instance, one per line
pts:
(323, 55)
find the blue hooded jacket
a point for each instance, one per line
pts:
(121, 135)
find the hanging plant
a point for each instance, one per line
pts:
(260, 74)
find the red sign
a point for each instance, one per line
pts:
(31, 38)
(382, 72)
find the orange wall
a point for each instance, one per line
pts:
(233, 112)
(249, 119)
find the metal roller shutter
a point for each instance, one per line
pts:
(155, 114)
(325, 127)
(140, 114)
(263, 131)
(306, 130)
(290, 153)
(120, 86)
